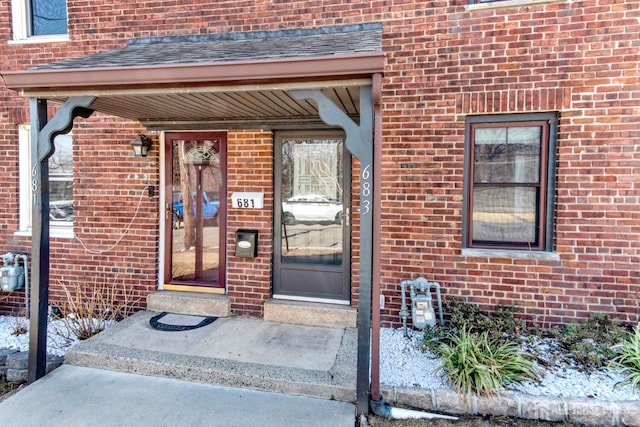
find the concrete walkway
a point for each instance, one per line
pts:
(233, 352)
(233, 372)
(79, 396)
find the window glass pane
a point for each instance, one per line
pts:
(504, 214)
(61, 180)
(61, 161)
(507, 155)
(48, 17)
(61, 200)
(312, 207)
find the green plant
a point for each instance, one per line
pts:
(628, 358)
(89, 309)
(501, 324)
(589, 344)
(474, 363)
(431, 338)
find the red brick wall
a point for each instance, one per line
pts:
(444, 62)
(578, 58)
(250, 166)
(116, 221)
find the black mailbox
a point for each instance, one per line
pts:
(246, 243)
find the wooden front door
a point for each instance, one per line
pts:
(195, 186)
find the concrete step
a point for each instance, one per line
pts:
(194, 303)
(275, 310)
(232, 351)
(310, 313)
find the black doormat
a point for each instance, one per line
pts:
(173, 322)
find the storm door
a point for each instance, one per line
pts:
(312, 237)
(195, 211)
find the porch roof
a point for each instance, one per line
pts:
(248, 80)
(229, 80)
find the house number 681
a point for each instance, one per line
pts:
(245, 203)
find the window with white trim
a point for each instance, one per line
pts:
(509, 181)
(39, 18)
(60, 184)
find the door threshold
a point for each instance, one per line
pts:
(310, 299)
(198, 289)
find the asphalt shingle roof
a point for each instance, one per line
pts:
(228, 47)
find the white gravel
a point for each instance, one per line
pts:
(403, 364)
(57, 344)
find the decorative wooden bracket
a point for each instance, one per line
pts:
(42, 135)
(62, 122)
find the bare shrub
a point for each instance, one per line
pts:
(20, 326)
(88, 309)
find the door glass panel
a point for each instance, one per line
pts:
(312, 201)
(195, 207)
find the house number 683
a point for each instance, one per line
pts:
(365, 191)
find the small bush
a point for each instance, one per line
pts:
(20, 326)
(476, 364)
(88, 309)
(589, 344)
(628, 358)
(432, 336)
(500, 324)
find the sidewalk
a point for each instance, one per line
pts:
(77, 396)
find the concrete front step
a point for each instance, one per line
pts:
(235, 352)
(310, 314)
(275, 310)
(194, 303)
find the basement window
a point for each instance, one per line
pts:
(509, 182)
(41, 20)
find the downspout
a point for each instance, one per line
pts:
(384, 410)
(377, 226)
(377, 404)
(367, 209)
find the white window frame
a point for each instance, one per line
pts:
(20, 23)
(56, 228)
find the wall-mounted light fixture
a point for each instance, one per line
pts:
(141, 145)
